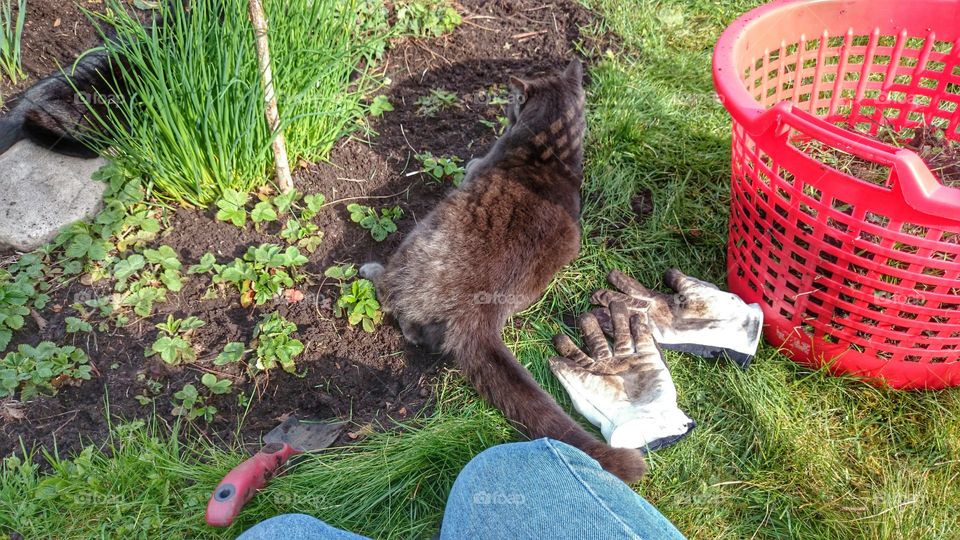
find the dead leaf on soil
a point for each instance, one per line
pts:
(11, 410)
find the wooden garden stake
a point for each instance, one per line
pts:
(259, 21)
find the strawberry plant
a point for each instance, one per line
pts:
(215, 385)
(358, 299)
(173, 342)
(232, 207)
(341, 273)
(300, 230)
(379, 226)
(41, 369)
(442, 168)
(76, 324)
(263, 273)
(191, 405)
(155, 271)
(274, 344)
(232, 352)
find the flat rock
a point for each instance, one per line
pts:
(42, 192)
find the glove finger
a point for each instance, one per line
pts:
(643, 341)
(595, 340)
(681, 282)
(604, 297)
(569, 350)
(630, 286)
(604, 320)
(622, 338)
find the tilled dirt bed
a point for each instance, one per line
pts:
(373, 379)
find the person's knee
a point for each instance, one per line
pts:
(292, 526)
(505, 457)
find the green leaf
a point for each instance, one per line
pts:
(314, 202)
(79, 246)
(263, 211)
(231, 206)
(311, 243)
(125, 268)
(172, 280)
(283, 201)
(380, 105)
(232, 352)
(75, 324)
(165, 256)
(207, 263)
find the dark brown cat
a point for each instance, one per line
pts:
(490, 248)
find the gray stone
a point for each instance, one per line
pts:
(41, 192)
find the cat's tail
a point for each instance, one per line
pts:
(497, 375)
(11, 129)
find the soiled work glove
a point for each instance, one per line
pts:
(699, 319)
(627, 392)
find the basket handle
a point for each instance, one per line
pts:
(917, 185)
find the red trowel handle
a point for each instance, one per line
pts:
(241, 483)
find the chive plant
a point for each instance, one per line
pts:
(191, 116)
(11, 31)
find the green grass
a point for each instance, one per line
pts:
(145, 483)
(195, 123)
(11, 30)
(779, 452)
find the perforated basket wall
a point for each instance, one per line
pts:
(850, 245)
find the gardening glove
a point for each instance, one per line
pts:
(627, 392)
(700, 319)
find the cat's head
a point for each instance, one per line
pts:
(538, 102)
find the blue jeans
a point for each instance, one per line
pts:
(536, 489)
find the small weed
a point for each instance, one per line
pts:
(434, 102)
(380, 105)
(424, 18)
(497, 126)
(263, 273)
(274, 344)
(41, 369)
(379, 226)
(173, 343)
(442, 168)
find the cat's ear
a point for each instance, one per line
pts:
(574, 71)
(519, 84)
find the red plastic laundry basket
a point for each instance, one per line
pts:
(850, 273)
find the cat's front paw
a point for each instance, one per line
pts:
(371, 271)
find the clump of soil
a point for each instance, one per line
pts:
(371, 379)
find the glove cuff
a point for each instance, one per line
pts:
(650, 430)
(739, 338)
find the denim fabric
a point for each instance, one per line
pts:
(536, 489)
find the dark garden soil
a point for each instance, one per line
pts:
(373, 379)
